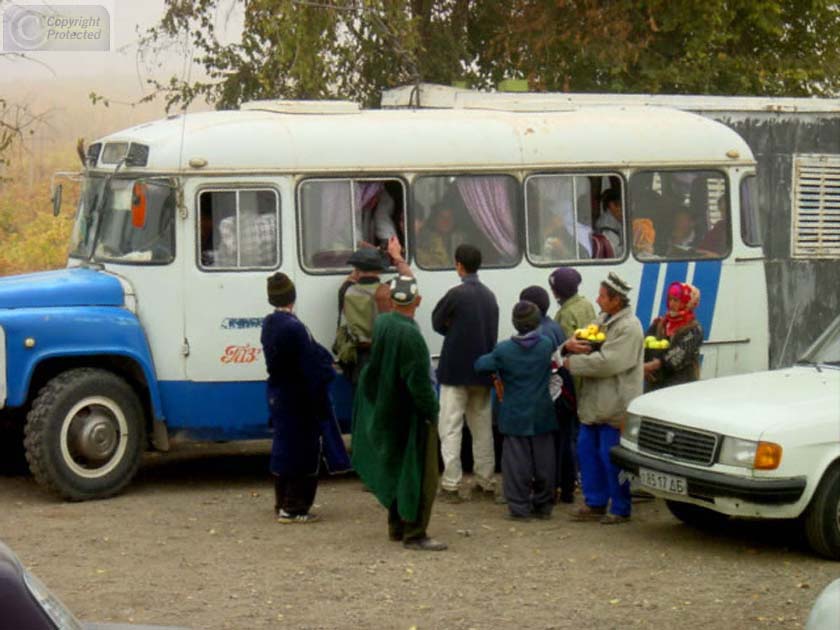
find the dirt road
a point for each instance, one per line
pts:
(192, 542)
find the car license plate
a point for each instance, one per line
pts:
(662, 481)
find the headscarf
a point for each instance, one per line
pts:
(689, 297)
(644, 235)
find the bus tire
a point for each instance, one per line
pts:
(85, 434)
(822, 518)
(696, 516)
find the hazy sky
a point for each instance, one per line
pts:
(121, 61)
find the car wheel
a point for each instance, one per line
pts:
(822, 518)
(696, 516)
(85, 434)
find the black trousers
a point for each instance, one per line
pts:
(294, 495)
(528, 473)
(566, 441)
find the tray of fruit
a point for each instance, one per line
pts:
(655, 348)
(591, 334)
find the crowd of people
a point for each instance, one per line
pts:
(559, 399)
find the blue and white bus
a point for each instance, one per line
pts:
(153, 329)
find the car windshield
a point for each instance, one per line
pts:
(826, 349)
(104, 227)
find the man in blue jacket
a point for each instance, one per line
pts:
(468, 317)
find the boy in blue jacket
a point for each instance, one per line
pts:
(526, 418)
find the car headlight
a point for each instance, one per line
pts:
(750, 454)
(56, 611)
(631, 427)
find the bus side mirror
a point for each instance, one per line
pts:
(138, 205)
(56, 200)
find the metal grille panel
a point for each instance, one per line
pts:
(676, 442)
(816, 206)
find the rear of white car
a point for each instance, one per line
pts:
(763, 445)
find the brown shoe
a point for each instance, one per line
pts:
(587, 513)
(424, 544)
(614, 519)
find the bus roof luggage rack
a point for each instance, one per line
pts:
(302, 107)
(432, 96)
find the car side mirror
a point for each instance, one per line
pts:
(56, 200)
(139, 195)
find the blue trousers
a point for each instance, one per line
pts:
(599, 476)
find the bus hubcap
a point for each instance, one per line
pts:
(94, 434)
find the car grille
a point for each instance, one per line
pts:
(677, 442)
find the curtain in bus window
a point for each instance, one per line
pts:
(367, 195)
(490, 204)
(327, 226)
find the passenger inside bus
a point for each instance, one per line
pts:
(436, 238)
(611, 221)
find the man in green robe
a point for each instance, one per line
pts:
(395, 443)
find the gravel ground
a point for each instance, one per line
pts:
(193, 542)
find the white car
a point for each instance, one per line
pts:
(761, 445)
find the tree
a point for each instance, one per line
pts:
(355, 48)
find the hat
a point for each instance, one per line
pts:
(367, 259)
(564, 282)
(281, 290)
(686, 293)
(538, 296)
(615, 282)
(526, 316)
(403, 290)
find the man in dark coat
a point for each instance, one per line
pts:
(468, 317)
(395, 445)
(299, 373)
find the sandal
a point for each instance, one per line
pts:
(587, 513)
(614, 519)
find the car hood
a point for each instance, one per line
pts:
(64, 287)
(746, 405)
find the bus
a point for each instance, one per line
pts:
(152, 330)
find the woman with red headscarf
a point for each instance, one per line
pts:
(680, 363)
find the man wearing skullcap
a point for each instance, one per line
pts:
(612, 376)
(526, 417)
(395, 443)
(299, 373)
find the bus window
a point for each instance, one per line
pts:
(679, 215)
(239, 229)
(477, 209)
(750, 226)
(574, 217)
(340, 215)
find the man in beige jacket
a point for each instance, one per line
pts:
(611, 376)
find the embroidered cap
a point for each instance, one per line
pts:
(367, 259)
(616, 283)
(403, 289)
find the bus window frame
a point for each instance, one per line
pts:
(726, 174)
(355, 177)
(755, 211)
(622, 175)
(517, 216)
(235, 187)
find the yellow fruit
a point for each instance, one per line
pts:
(665, 344)
(649, 339)
(600, 337)
(580, 332)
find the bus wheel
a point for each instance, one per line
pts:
(85, 434)
(822, 518)
(696, 516)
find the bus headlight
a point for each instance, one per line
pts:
(631, 427)
(750, 454)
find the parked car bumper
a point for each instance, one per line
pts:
(713, 485)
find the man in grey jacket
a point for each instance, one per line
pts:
(612, 375)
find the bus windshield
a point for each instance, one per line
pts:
(103, 231)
